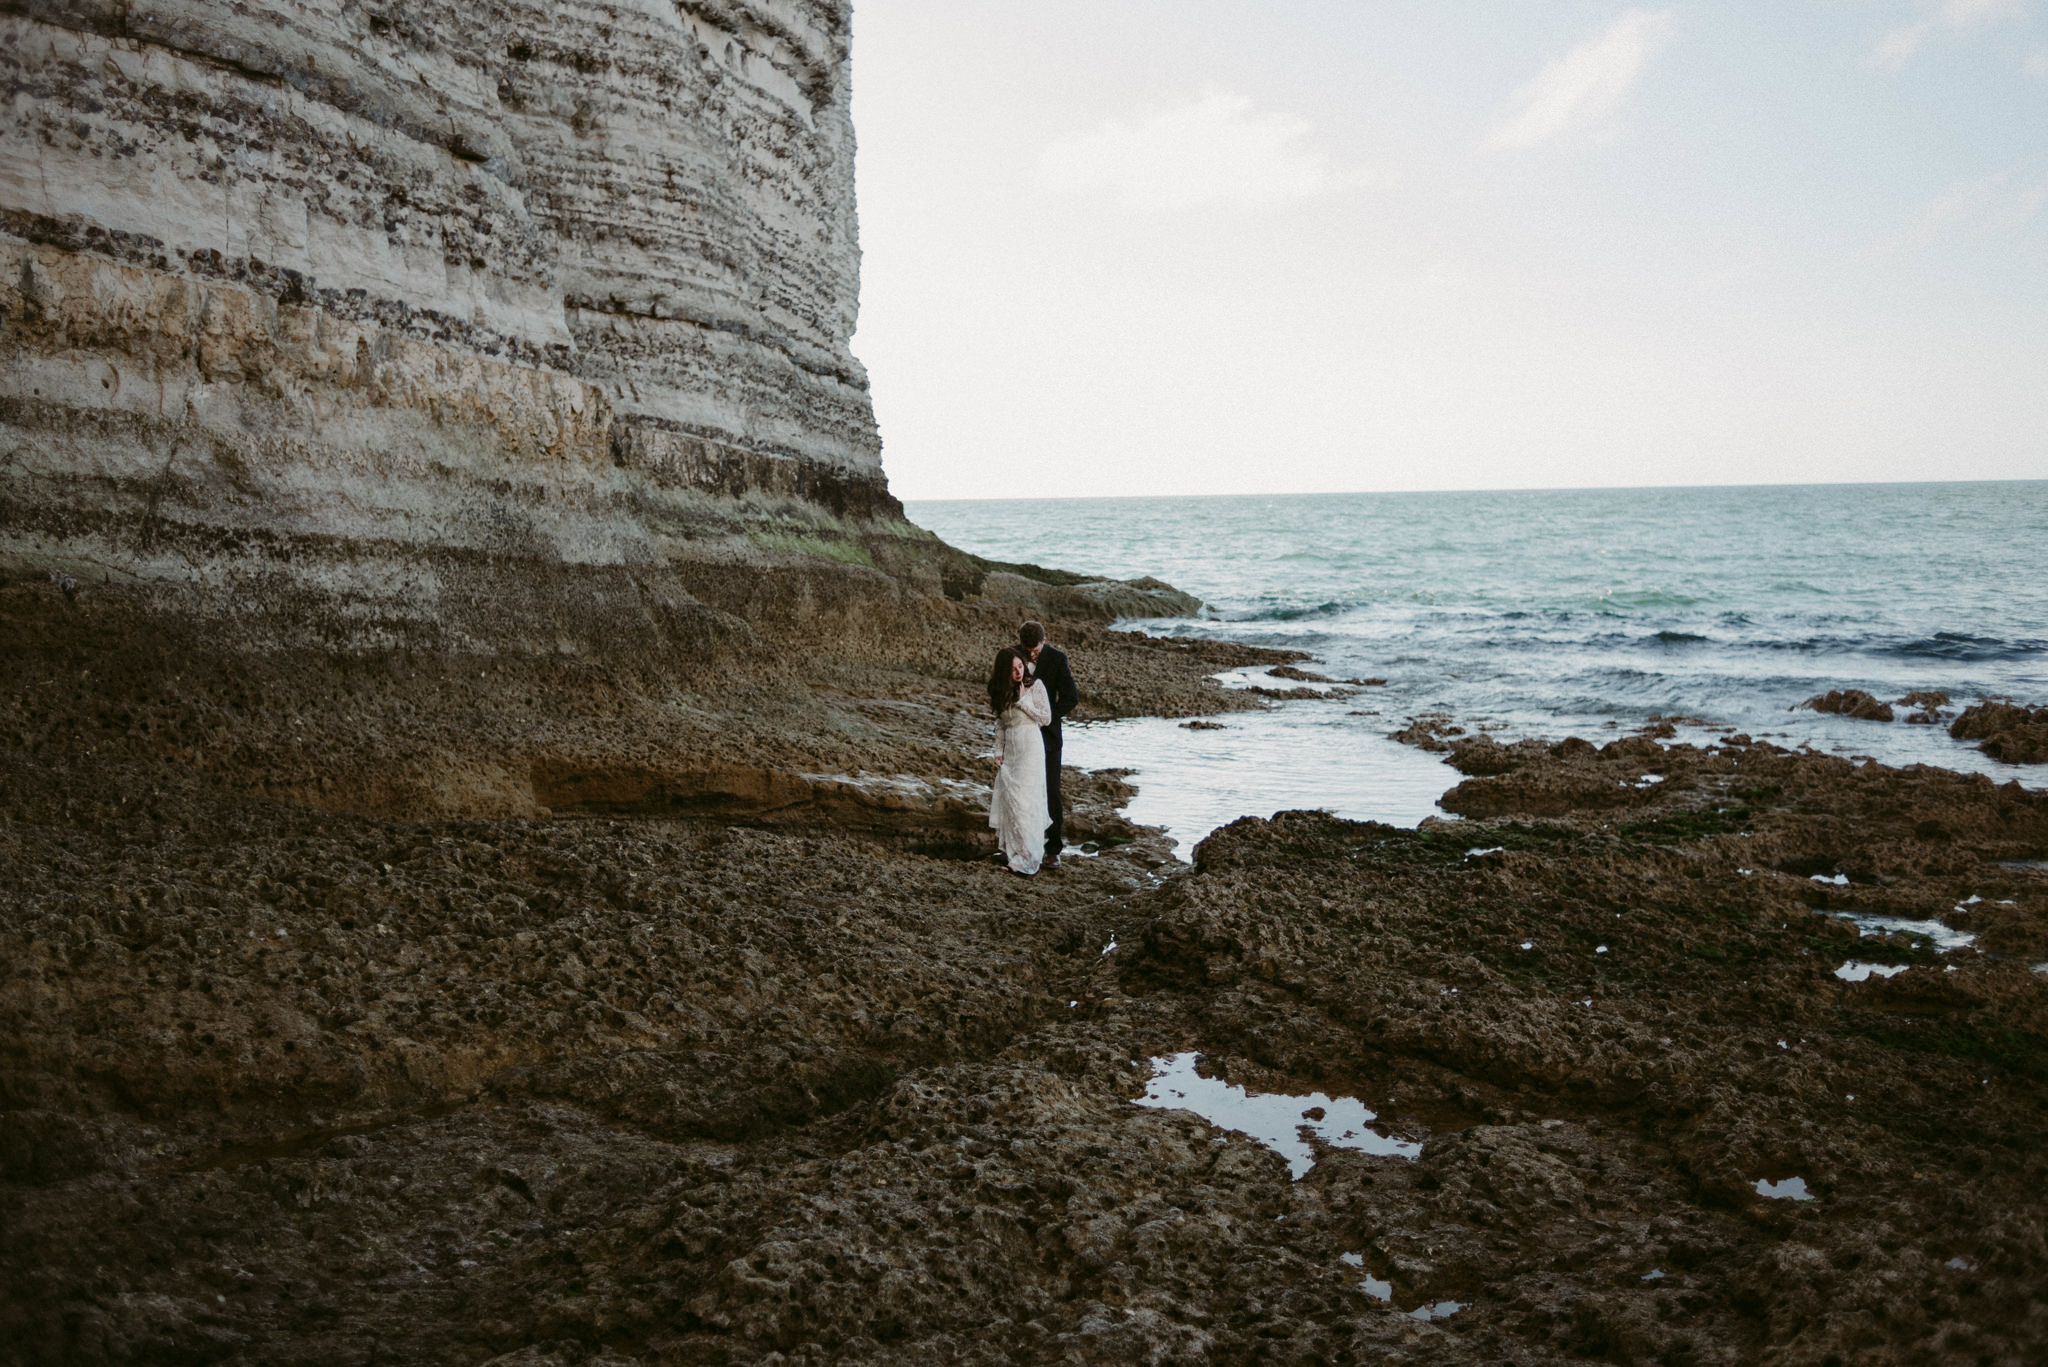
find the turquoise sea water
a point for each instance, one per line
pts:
(1554, 612)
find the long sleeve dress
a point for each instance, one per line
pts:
(1017, 808)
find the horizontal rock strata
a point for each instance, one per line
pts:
(405, 406)
(319, 301)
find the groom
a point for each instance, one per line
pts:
(1049, 665)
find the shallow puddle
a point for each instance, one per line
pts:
(1378, 1289)
(1300, 755)
(1944, 938)
(1441, 1310)
(1272, 1118)
(1791, 1189)
(1856, 971)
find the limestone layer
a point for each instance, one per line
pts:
(336, 298)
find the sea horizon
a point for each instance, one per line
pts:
(909, 500)
(1716, 610)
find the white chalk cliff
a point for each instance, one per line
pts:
(340, 302)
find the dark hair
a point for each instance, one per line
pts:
(1003, 688)
(1029, 636)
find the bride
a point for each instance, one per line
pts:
(1017, 809)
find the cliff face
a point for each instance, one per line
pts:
(439, 407)
(326, 310)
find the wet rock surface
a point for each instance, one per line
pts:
(1432, 732)
(2006, 731)
(1931, 705)
(1850, 702)
(713, 1084)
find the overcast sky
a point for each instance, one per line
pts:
(1190, 246)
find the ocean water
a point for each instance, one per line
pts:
(1552, 613)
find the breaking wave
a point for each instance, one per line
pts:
(1555, 611)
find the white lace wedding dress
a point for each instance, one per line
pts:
(1017, 808)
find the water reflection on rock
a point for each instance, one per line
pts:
(1304, 755)
(1944, 938)
(1278, 1121)
(1856, 971)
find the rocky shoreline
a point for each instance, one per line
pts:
(492, 814)
(775, 1065)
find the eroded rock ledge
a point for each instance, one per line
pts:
(284, 1085)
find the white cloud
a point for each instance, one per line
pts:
(1586, 84)
(1897, 47)
(2037, 65)
(1216, 151)
(1985, 206)
(1949, 210)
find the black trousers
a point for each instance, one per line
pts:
(1054, 843)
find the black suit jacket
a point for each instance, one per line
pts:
(1058, 679)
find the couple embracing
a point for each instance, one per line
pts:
(1031, 688)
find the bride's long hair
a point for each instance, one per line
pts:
(1003, 688)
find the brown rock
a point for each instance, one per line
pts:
(1930, 702)
(1428, 732)
(1850, 702)
(2005, 731)
(1483, 755)
(713, 1091)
